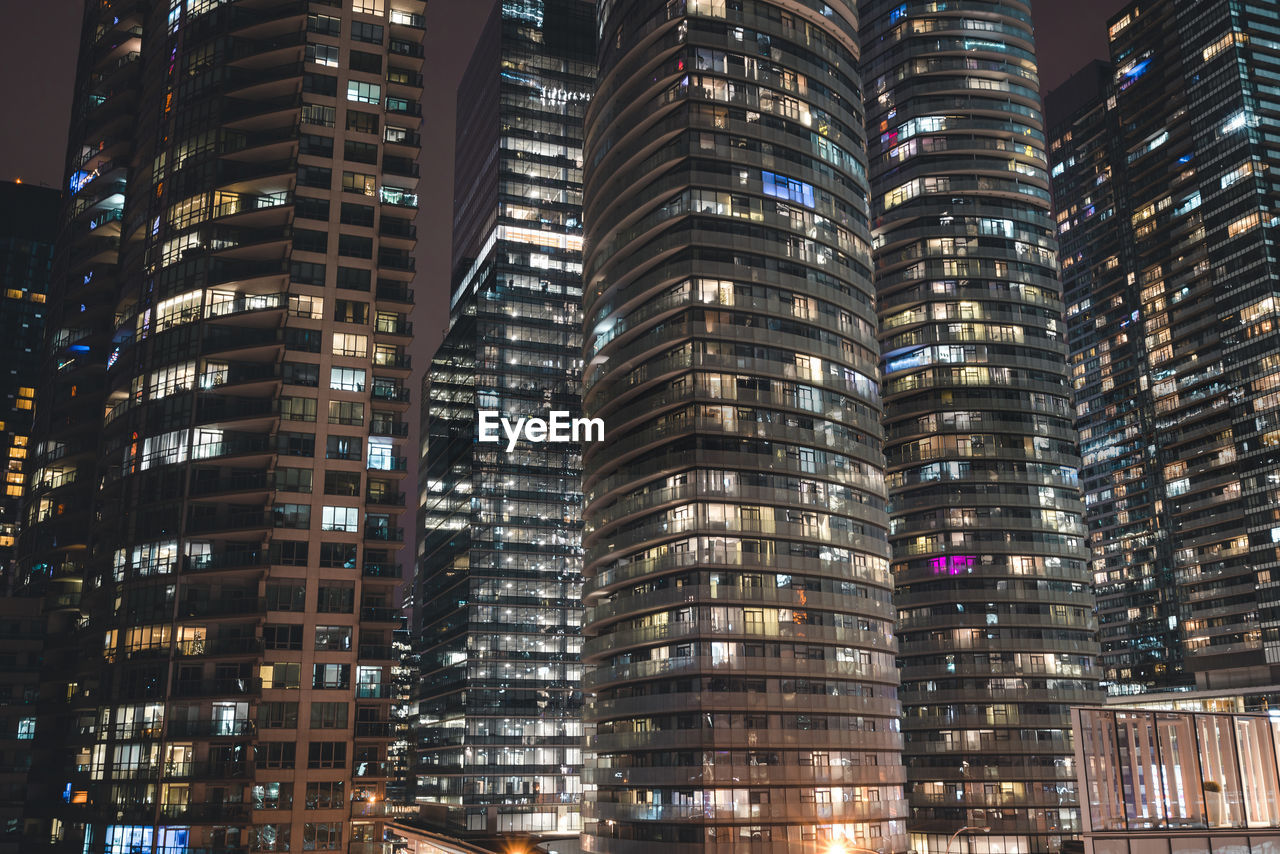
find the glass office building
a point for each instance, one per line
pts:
(1129, 528)
(995, 622)
(218, 452)
(1178, 782)
(1191, 96)
(739, 660)
(498, 589)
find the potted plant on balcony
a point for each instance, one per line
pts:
(1214, 804)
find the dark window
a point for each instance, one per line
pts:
(310, 241)
(303, 340)
(326, 795)
(294, 480)
(353, 279)
(282, 637)
(354, 246)
(336, 599)
(275, 754)
(341, 483)
(361, 152)
(300, 373)
(327, 754)
(361, 122)
(320, 84)
(338, 555)
(362, 32)
(315, 145)
(278, 715)
(353, 214)
(315, 176)
(326, 25)
(296, 444)
(286, 596)
(307, 272)
(308, 208)
(289, 552)
(370, 62)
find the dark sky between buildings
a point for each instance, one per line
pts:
(38, 69)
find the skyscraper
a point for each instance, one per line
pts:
(28, 226)
(742, 693)
(217, 460)
(498, 587)
(995, 620)
(1194, 207)
(1129, 530)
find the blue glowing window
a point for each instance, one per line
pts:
(782, 187)
(898, 14)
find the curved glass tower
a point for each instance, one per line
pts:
(989, 561)
(739, 654)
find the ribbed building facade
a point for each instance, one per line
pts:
(1129, 529)
(498, 589)
(218, 451)
(1191, 90)
(995, 621)
(739, 660)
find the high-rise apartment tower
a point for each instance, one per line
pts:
(498, 590)
(739, 661)
(1174, 272)
(218, 454)
(995, 621)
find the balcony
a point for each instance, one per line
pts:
(390, 291)
(380, 615)
(210, 728)
(385, 499)
(393, 393)
(384, 534)
(378, 652)
(384, 427)
(382, 570)
(398, 325)
(393, 260)
(218, 688)
(225, 522)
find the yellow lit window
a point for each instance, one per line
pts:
(26, 391)
(22, 403)
(13, 293)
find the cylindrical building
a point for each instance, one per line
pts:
(994, 607)
(742, 694)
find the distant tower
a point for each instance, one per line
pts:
(995, 621)
(742, 693)
(218, 455)
(1176, 235)
(498, 584)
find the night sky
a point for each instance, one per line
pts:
(39, 63)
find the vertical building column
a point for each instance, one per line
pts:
(994, 608)
(739, 660)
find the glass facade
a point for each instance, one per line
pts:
(1190, 94)
(1150, 779)
(498, 591)
(1128, 526)
(739, 653)
(995, 622)
(220, 450)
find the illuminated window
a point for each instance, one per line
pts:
(323, 54)
(364, 93)
(346, 379)
(359, 182)
(350, 344)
